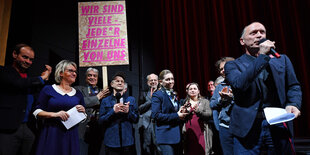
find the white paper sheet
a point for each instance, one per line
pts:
(277, 115)
(75, 118)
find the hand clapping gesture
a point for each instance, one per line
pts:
(182, 113)
(46, 73)
(103, 93)
(226, 94)
(120, 107)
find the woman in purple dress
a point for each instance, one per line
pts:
(53, 102)
(197, 133)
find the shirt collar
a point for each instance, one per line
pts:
(95, 87)
(59, 91)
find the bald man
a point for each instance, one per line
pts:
(260, 80)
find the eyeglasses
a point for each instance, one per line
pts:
(71, 71)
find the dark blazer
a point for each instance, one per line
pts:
(116, 123)
(13, 96)
(167, 121)
(145, 109)
(242, 75)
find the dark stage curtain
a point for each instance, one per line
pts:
(191, 35)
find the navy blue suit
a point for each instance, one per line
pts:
(257, 83)
(242, 75)
(167, 129)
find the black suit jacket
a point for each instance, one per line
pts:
(13, 97)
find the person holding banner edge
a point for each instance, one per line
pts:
(90, 140)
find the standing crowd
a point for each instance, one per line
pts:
(229, 120)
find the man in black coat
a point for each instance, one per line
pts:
(16, 101)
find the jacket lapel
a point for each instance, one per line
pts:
(85, 90)
(167, 97)
(245, 63)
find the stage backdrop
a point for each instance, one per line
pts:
(191, 35)
(103, 33)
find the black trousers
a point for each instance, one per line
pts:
(128, 150)
(16, 142)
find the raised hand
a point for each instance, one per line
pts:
(46, 73)
(103, 93)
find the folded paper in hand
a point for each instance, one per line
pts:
(75, 118)
(277, 115)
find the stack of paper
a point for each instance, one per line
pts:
(277, 115)
(75, 118)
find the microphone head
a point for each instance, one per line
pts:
(262, 40)
(118, 95)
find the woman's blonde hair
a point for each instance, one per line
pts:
(61, 67)
(163, 73)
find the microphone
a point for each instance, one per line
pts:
(272, 51)
(118, 97)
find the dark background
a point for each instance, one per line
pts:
(185, 36)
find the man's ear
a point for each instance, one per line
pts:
(111, 84)
(242, 41)
(14, 54)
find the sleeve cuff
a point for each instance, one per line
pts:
(42, 81)
(36, 112)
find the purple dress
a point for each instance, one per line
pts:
(194, 136)
(54, 137)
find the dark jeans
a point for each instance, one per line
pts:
(227, 140)
(264, 138)
(16, 142)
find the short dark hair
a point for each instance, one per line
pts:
(223, 59)
(19, 46)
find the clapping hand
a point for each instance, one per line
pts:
(182, 113)
(103, 93)
(153, 89)
(226, 94)
(46, 73)
(120, 107)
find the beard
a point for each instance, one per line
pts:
(22, 66)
